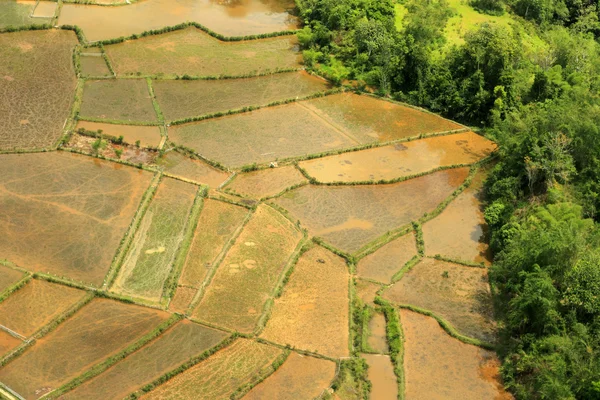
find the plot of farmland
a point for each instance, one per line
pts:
(349, 217)
(227, 18)
(157, 240)
(369, 119)
(300, 377)
(176, 164)
(260, 136)
(388, 260)
(8, 343)
(173, 348)
(180, 99)
(248, 274)
(118, 99)
(96, 332)
(312, 313)
(16, 13)
(182, 299)
(94, 66)
(217, 224)
(457, 293)
(148, 136)
(9, 277)
(461, 371)
(459, 232)
(400, 159)
(221, 374)
(37, 86)
(193, 52)
(266, 182)
(35, 305)
(65, 213)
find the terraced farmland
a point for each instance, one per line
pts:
(227, 230)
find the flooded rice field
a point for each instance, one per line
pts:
(237, 18)
(185, 217)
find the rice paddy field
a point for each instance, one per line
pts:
(37, 83)
(180, 99)
(193, 52)
(211, 222)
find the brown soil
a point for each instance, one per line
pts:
(35, 305)
(388, 260)
(130, 153)
(300, 377)
(463, 297)
(438, 366)
(182, 299)
(377, 336)
(312, 313)
(221, 374)
(177, 164)
(7, 343)
(248, 274)
(266, 182)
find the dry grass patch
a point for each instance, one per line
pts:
(266, 182)
(118, 99)
(38, 83)
(66, 214)
(383, 379)
(173, 348)
(99, 330)
(401, 159)
(217, 224)
(260, 136)
(180, 99)
(460, 231)
(35, 305)
(148, 136)
(300, 377)
(312, 313)
(457, 293)
(221, 374)
(369, 119)
(9, 277)
(349, 217)
(193, 52)
(461, 371)
(384, 263)
(248, 274)
(176, 164)
(8, 343)
(182, 299)
(156, 241)
(230, 19)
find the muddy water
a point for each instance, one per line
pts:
(149, 136)
(401, 159)
(230, 18)
(382, 377)
(377, 337)
(438, 366)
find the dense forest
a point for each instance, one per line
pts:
(529, 79)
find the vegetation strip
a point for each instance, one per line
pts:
(103, 366)
(395, 339)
